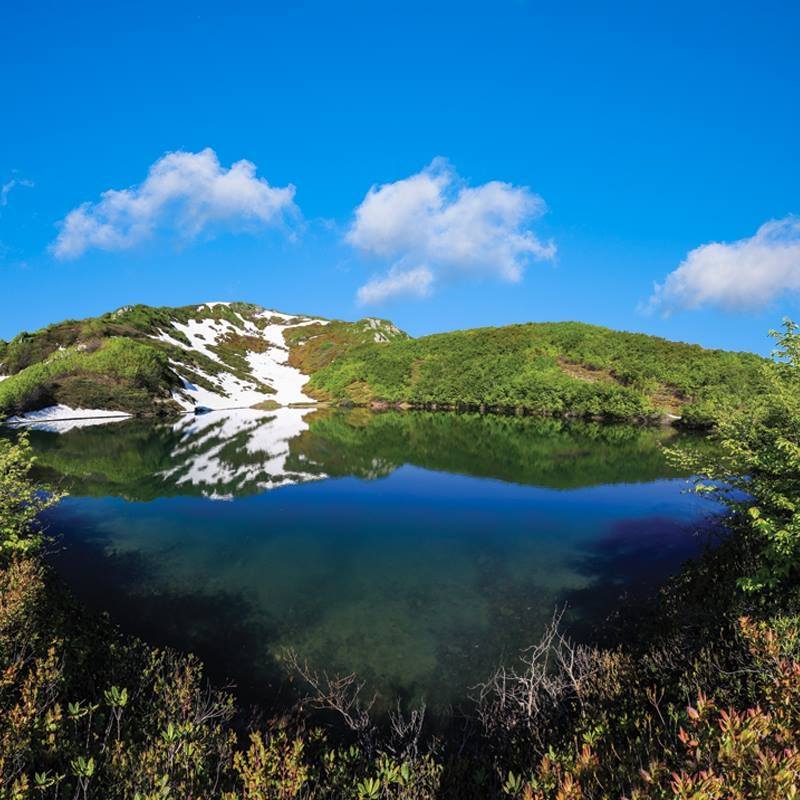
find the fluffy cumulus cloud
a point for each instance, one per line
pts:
(433, 228)
(185, 193)
(743, 275)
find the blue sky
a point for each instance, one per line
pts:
(588, 151)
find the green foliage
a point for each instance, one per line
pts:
(565, 369)
(312, 347)
(21, 502)
(698, 705)
(559, 368)
(133, 371)
(755, 466)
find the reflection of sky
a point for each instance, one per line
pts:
(420, 580)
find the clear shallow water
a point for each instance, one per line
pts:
(415, 549)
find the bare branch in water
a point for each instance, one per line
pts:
(341, 694)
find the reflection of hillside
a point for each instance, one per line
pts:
(228, 454)
(219, 455)
(549, 453)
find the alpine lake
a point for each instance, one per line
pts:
(416, 549)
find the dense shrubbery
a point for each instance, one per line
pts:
(558, 368)
(756, 465)
(700, 702)
(568, 369)
(123, 372)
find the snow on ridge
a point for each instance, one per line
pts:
(268, 368)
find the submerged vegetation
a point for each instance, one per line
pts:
(700, 700)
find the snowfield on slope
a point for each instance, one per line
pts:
(267, 369)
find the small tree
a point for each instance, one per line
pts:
(21, 501)
(755, 468)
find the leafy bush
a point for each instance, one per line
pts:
(130, 364)
(755, 467)
(21, 502)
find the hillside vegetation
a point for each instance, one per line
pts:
(551, 368)
(699, 700)
(164, 360)
(139, 359)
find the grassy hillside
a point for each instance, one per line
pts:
(135, 358)
(123, 361)
(110, 361)
(550, 368)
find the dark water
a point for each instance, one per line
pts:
(415, 549)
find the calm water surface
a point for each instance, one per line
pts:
(415, 549)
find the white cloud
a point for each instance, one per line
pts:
(743, 275)
(187, 193)
(434, 228)
(414, 282)
(6, 188)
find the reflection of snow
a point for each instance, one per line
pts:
(61, 418)
(267, 368)
(227, 452)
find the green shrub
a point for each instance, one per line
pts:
(755, 467)
(124, 361)
(21, 502)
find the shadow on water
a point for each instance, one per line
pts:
(441, 548)
(625, 569)
(220, 626)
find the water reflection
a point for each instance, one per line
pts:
(417, 549)
(228, 454)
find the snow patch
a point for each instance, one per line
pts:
(268, 368)
(61, 418)
(381, 327)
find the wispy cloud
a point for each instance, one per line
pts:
(435, 229)
(6, 188)
(743, 275)
(398, 282)
(185, 194)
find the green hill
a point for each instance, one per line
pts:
(565, 368)
(145, 360)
